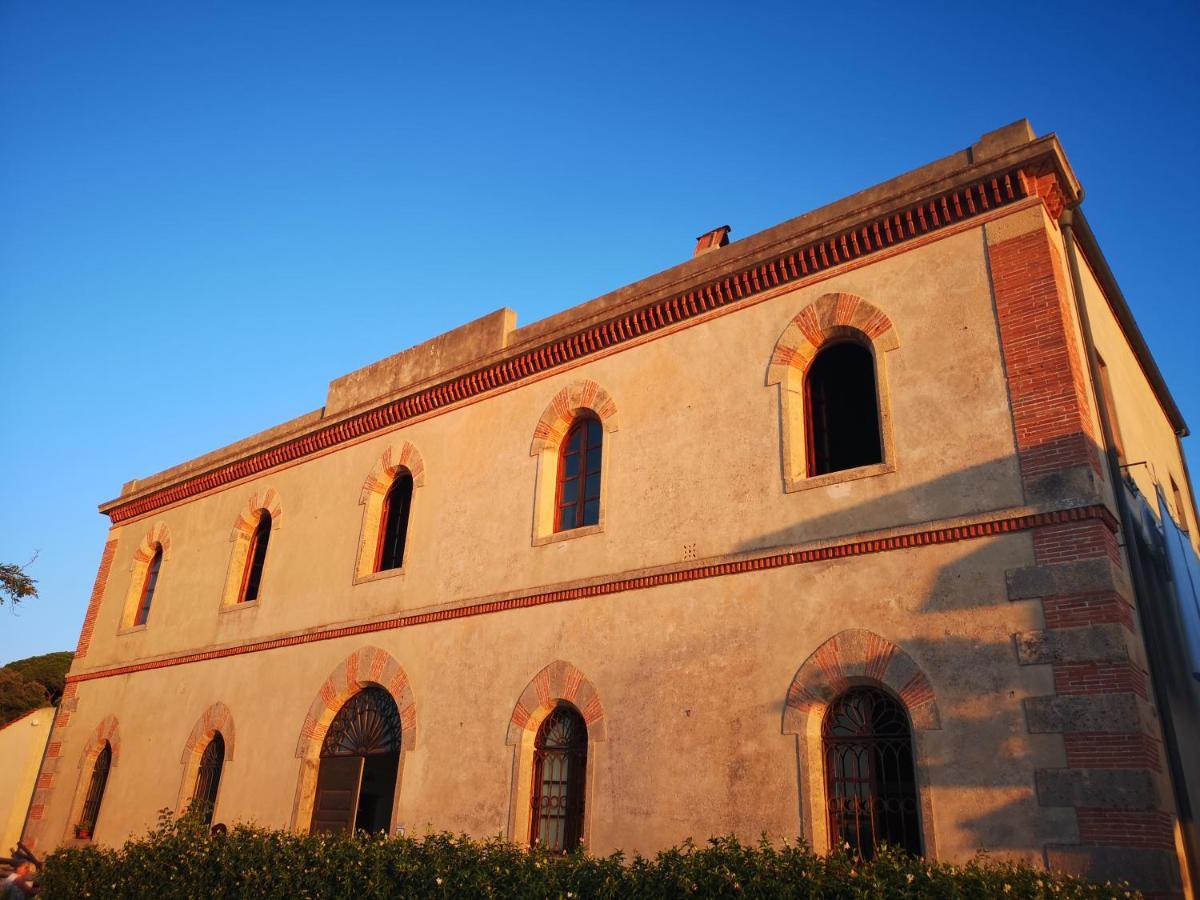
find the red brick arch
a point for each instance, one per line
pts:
(396, 457)
(558, 681)
(829, 317)
(216, 718)
(365, 667)
(554, 423)
(157, 535)
(247, 520)
(108, 730)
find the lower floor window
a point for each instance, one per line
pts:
(870, 784)
(559, 770)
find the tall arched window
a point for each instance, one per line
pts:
(208, 778)
(252, 579)
(843, 409)
(559, 779)
(578, 499)
(394, 533)
(360, 758)
(143, 610)
(86, 826)
(870, 784)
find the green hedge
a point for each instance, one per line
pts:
(178, 859)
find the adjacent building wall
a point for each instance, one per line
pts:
(21, 745)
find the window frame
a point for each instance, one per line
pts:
(810, 431)
(401, 476)
(259, 543)
(141, 614)
(93, 798)
(584, 422)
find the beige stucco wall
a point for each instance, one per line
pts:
(21, 746)
(693, 677)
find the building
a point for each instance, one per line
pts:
(823, 532)
(22, 742)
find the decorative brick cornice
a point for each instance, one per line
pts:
(876, 235)
(927, 537)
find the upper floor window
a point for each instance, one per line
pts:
(143, 610)
(252, 579)
(394, 519)
(843, 409)
(86, 826)
(578, 498)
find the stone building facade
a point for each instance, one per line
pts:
(737, 619)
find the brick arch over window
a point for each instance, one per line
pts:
(107, 731)
(216, 719)
(363, 668)
(851, 658)
(403, 456)
(158, 535)
(576, 397)
(828, 319)
(559, 681)
(579, 397)
(242, 537)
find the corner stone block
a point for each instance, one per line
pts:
(1065, 713)
(1148, 870)
(1086, 576)
(854, 652)
(1096, 788)
(1077, 485)
(1086, 643)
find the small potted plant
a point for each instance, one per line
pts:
(83, 832)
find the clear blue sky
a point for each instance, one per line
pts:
(209, 210)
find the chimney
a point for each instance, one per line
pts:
(712, 240)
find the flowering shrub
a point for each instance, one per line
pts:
(179, 860)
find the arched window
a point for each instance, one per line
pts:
(359, 761)
(559, 772)
(143, 610)
(578, 499)
(393, 534)
(869, 782)
(95, 793)
(208, 778)
(252, 579)
(843, 409)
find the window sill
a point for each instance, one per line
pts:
(131, 629)
(378, 576)
(238, 607)
(557, 536)
(819, 481)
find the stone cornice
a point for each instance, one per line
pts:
(1035, 169)
(928, 534)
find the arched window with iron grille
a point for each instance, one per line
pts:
(86, 826)
(842, 405)
(559, 779)
(256, 558)
(394, 520)
(148, 586)
(360, 758)
(870, 785)
(577, 500)
(208, 778)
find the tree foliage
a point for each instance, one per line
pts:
(180, 860)
(15, 584)
(28, 684)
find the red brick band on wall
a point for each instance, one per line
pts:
(89, 620)
(887, 231)
(799, 557)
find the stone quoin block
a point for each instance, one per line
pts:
(1081, 644)
(1083, 712)
(1104, 788)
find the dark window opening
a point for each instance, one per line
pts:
(577, 500)
(95, 793)
(559, 776)
(870, 786)
(396, 507)
(1110, 407)
(360, 758)
(843, 410)
(208, 779)
(255, 559)
(143, 612)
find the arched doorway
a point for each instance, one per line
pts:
(870, 785)
(360, 757)
(559, 779)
